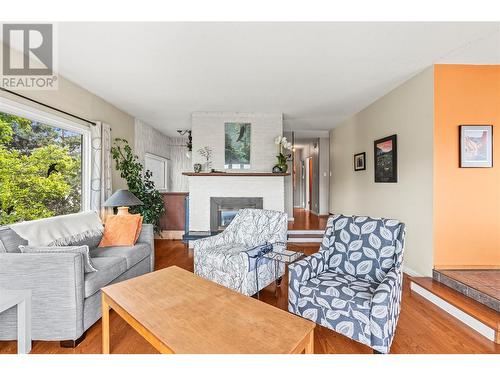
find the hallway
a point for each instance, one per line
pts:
(305, 220)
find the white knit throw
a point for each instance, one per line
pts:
(59, 230)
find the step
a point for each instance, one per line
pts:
(306, 231)
(479, 317)
(305, 236)
(305, 240)
(474, 291)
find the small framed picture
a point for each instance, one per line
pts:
(386, 159)
(360, 161)
(476, 146)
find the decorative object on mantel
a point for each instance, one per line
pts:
(360, 161)
(282, 144)
(386, 159)
(189, 144)
(476, 146)
(206, 152)
(197, 167)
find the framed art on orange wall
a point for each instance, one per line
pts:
(476, 146)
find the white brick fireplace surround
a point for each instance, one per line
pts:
(201, 188)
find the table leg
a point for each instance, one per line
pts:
(24, 326)
(105, 325)
(309, 349)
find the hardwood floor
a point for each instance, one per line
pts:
(306, 220)
(422, 327)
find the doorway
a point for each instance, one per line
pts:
(311, 182)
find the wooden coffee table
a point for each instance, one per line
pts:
(179, 312)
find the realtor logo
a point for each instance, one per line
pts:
(28, 57)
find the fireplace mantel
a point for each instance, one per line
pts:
(202, 186)
(242, 174)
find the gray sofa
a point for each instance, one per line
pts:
(66, 301)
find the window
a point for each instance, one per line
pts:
(159, 168)
(44, 162)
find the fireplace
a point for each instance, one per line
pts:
(224, 209)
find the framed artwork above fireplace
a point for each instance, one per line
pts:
(237, 145)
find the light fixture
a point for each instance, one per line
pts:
(189, 143)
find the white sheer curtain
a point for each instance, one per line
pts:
(100, 188)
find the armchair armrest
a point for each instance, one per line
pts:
(147, 235)
(385, 309)
(209, 242)
(301, 271)
(56, 282)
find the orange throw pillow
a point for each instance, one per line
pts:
(139, 228)
(121, 230)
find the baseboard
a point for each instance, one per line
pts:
(291, 219)
(171, 234)
(411, 272)
(465, 318)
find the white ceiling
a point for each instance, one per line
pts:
(316, 74)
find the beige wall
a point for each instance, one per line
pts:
(74, 99)
(407, 111)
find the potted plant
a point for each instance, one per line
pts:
(139, 183)
(282, 145)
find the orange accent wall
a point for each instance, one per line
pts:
(466, 200)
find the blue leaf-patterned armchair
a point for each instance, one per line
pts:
(353, 285)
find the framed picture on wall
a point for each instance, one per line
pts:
(386, 159)
(360, 161)
(237, 145)
(476, 146)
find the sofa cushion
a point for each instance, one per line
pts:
(132, 254)
(11, 240)
(108, 269)
(92, 241)
(362, 246)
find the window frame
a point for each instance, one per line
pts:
(166, 167)
(35, 114)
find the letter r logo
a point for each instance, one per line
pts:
(28, 49)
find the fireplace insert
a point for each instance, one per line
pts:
(224, 209)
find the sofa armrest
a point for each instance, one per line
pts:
(147, 235)
(385, 309)
(300, 272)
(56, 282)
